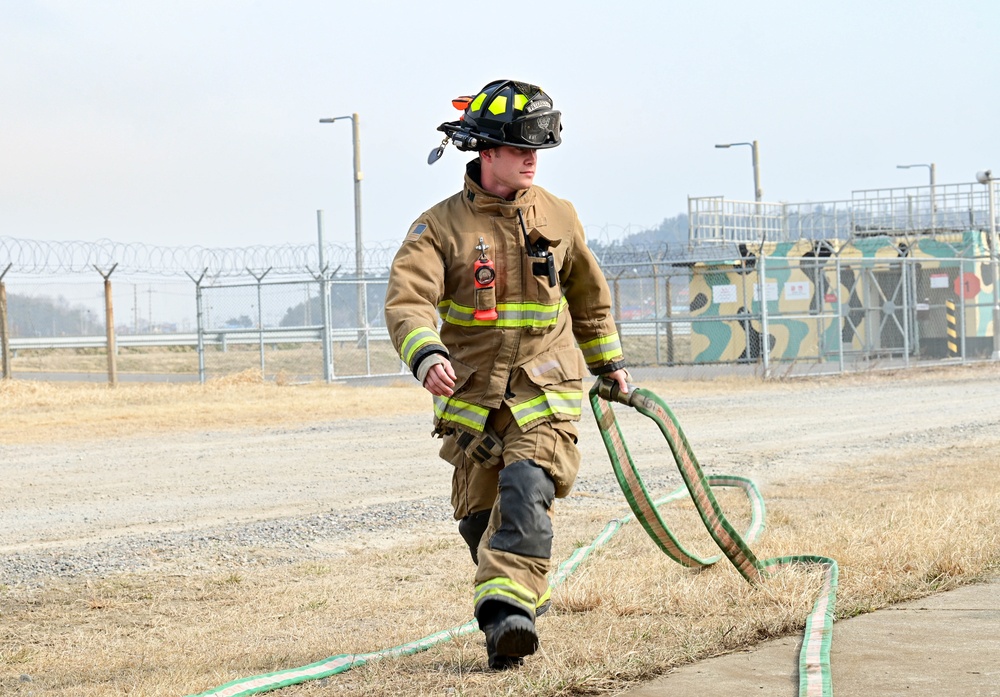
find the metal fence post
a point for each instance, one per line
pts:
(904, 288)
(200, 318)
(4, 330)
(324, 301)
(765, 343)
(109, 320)
(363, 289)
(260, 318)
(656, 307)
(994, 265)
(669, 299)
(961, 308)
(840, 316)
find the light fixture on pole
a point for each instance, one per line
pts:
(358, 248)
(986, 177)
(359, 255)
(933, 172)
(757, 193)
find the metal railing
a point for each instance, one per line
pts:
(903, 211)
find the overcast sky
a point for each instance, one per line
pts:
(197, 123)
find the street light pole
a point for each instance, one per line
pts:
(359, 255)
(754, 146)
(989, 180)
(933, 173)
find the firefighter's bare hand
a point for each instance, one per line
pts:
(440, 379)
(620, 376)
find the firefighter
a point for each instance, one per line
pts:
(499, 308)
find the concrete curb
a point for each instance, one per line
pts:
(945, 644)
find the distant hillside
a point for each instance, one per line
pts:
(672, 232)
(44, 316)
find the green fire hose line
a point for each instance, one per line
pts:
(814, 659)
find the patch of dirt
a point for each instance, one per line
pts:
(66, 495)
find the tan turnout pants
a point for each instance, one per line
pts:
(552, 446)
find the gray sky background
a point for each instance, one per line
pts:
(197, 123)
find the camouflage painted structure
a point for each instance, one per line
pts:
(867, 297)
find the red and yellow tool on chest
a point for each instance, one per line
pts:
(485, 276)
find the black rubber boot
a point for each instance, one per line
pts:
(471, 528)
(510, 635)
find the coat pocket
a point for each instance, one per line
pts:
(556, 366)
(548, 388)
(463, 373)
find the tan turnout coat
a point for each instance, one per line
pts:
(530, 356)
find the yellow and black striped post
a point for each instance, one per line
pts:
(949, 309)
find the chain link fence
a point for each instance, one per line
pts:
(773, 309)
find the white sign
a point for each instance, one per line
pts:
(939, 280)
(797, 290)
(723, 294)
(772, 291)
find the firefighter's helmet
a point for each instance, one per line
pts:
(505, 112)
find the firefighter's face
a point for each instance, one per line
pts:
(508, 169)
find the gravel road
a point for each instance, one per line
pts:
(273, 495)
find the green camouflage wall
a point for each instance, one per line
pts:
(802, 291)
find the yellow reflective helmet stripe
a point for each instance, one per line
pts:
(498, 105)
(477, 103)
(604, 349)
(548, 404)
(414, 340)
(519, 101)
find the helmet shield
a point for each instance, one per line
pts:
(540, 129)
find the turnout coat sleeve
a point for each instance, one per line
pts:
(416, 286)
(589, 299)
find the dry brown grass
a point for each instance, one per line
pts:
(349, 358)
(905, 531)
(910, 527)
(35, 411)
(41, 411)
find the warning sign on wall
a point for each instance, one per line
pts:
(724, 294)
(797, 290)
(939, 280)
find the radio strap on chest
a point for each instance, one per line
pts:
(542, 261)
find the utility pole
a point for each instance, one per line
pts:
(359, 250)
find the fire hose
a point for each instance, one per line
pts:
(814, 656)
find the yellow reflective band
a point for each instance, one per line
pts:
(457, 411)
(519, 101)
(507, 588)
(536, 315)
(498, 105)
(602, 350)
(414, 340)
(547, 404)
(477, 103)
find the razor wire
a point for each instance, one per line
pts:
(75, 256)
(69, 257)
(37, 257)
